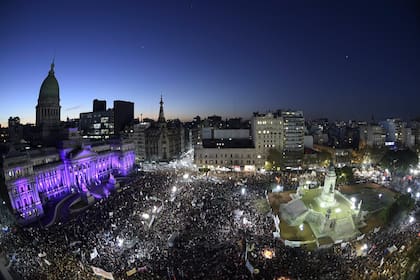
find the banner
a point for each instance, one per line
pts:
(100, 272)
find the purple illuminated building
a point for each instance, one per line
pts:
(35, 177)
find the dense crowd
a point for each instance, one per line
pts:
(169, 225)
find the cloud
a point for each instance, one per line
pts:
(73, 108)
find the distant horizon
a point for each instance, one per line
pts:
(224, 117)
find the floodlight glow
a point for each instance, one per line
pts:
(409, 190)
(380, 195)
(337, 210)
(173, 189)
(145, 216)
(243, 191)
(301, 227)
(353, 199)
(364, 247)
(185, 176)
(154, 209)
(411, 219)
(417, 195)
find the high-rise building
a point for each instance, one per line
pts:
(267, 134)
(99, 105)
(282, 131)
(292, 142)
(395, 132)
(123, 115)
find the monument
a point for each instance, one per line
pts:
(328, 212)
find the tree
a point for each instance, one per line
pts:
(399, 160)
(324, 158)
(344, 175)
(274, 159)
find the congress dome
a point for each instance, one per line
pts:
(49, 89)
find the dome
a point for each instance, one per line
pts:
(49, 89)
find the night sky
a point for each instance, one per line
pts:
(332, 59)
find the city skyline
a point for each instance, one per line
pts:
(340, 61)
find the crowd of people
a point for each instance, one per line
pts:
(172, 223)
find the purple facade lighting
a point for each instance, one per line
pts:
(32, 185)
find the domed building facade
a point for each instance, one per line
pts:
(48, 108)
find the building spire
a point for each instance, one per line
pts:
(161, 118)
(52, 66)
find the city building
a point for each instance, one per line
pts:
(34, 177)
(266, 130)
(372, 135)
(99, 105)
(15, 130)
(97, 125)
(165, 140)
(292, 142)
(48, 108)
(282, 131)
(225, 148)
(138, 136)
(395, 132)
(123, 115)
(236, 154)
